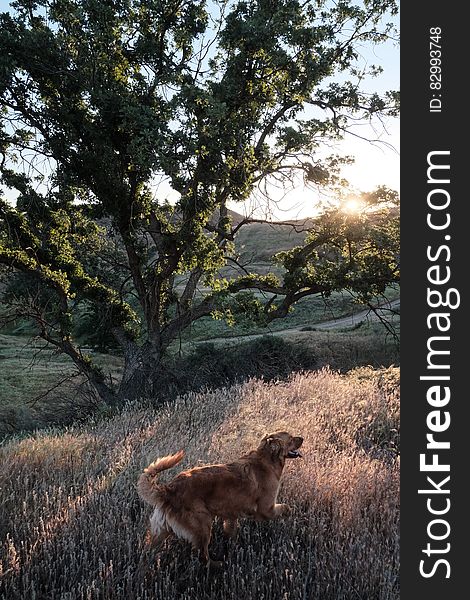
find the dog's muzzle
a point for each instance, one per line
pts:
(294, 454)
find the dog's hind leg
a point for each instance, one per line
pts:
(159, 530)
(201, 542)
(156, 541)
(230, 527)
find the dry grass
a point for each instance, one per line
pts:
(72, 525)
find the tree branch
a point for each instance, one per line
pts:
(188, 293)
(270, 126)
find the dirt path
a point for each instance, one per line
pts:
(340, 323)
(365, 315)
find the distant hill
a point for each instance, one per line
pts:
(257, 242)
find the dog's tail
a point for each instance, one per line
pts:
(147, 486)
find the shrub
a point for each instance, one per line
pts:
(213, 365)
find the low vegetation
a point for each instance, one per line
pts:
(39, 387)
(73, 526)
(308, 312)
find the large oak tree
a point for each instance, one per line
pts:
(103, 98)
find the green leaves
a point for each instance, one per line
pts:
(129, 126)
(354, 251)
(48, 248)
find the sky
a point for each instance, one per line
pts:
(376, 163)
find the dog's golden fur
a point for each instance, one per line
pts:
(247, 487)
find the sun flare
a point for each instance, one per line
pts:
(353, 205)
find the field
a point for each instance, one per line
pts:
(308, 312)
(38, 387)
(73, 525)
(141, 315)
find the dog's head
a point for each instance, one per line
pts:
(282, 445)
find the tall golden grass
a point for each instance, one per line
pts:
(72, 525)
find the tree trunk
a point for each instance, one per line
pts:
(141, 374)
(106, 394)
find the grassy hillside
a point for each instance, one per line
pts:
(73, 525)
(39, 387)
(307, 312)
(258, 242)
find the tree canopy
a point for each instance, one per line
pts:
(102, 99)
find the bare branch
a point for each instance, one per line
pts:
(188, 293)
(66, 379)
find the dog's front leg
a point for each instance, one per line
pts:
(272, 512)
(281, 510)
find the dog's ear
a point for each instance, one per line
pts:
(274, 445)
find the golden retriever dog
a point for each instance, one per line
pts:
(248, 487)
